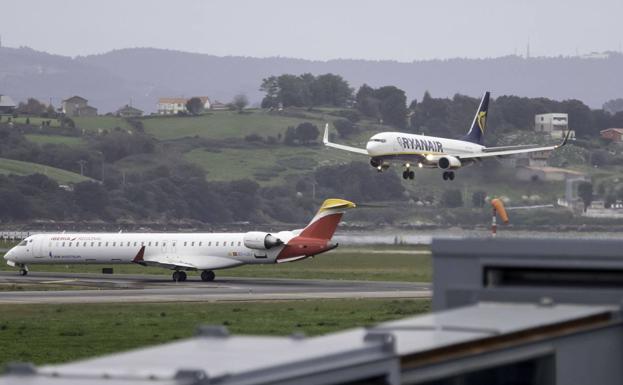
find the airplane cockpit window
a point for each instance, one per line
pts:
(23, 243)
(378, 140)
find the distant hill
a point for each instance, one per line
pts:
(142, 75)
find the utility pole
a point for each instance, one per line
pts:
(82, 163)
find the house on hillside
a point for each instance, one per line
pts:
(555, 125)
(77, 106)
(171, 106)
(128, 111)
(7, 105)
(613, 134)
(205, 101)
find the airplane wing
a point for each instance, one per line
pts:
(194, 262)
(325, 140)
(506, 151)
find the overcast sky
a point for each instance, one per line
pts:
(400, 30)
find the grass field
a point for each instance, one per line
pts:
(17, 167)
(59, 333)
(339, 264)
(225, 124)
(55, 139)
(34, 121)
(96, 123)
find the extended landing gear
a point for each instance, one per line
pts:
(408, 173)
(179, 276)
(448, 175)
(207, 275)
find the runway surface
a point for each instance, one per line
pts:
(103, 288)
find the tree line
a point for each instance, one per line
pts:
(446, 117)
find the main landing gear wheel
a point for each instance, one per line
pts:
(448, 175)
(207, 275)
(23, 272)
(408, 174)
(179, 276)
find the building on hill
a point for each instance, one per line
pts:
(613, 134)
(128, 111)
(77, 106)
(171, 106)
(205, 101)
(555, 125)
(7, 105)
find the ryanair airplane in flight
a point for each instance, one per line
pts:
(419, 151)
(183, 252)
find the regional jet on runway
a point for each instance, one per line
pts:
(432, 152)
(183, 252)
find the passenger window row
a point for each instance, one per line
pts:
(136, 244)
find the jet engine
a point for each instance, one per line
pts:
(449, 162)
(261, 241)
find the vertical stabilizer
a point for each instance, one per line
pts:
(324, 223)
(476, 132)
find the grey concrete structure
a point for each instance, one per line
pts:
(580, 271)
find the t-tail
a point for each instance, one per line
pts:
(476, 132)
(316, 237)
(324, 223)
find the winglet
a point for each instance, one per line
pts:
(325, 137)
(566, 138)
(139, 256)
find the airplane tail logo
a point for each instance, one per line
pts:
(324, 223)
(477, 130)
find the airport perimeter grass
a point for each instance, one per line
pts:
(343, 263)
(59, 333)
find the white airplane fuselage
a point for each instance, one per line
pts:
(205, 251)
(417, 149)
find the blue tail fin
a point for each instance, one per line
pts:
(476, 132)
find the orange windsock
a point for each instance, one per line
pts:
(498, 206)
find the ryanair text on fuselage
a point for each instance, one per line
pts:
(419, 144)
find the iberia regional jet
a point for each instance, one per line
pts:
(183, 252)
(419, 151)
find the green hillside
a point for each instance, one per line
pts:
(55, 139)
(10, 166)
(226, 124)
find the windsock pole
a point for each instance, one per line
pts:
(498, 209)
(494, 225)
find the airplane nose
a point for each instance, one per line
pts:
(371, 146)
